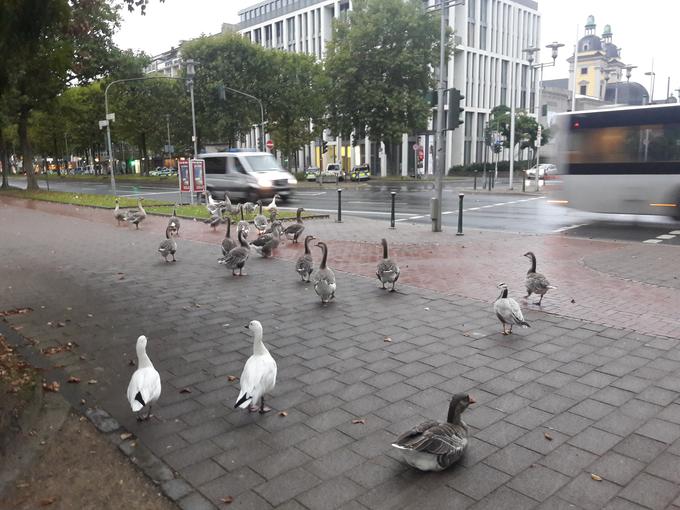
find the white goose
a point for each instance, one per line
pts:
(118, 214)
(272, 204)
(259, 374)
(145, 385)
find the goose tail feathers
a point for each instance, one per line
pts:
(243, 401)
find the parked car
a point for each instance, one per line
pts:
(360, 173)
(543, 170)
(312, 173)
(334, 171)
(246, 175)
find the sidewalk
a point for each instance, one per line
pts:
(604, 394)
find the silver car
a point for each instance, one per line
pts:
(246, 175)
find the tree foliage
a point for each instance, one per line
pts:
(379, 65)
(526, 127)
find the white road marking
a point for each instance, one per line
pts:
(564, 229)
(376, 213)
(675, 233)
(665, 236)
(652, 241)
(310, 193)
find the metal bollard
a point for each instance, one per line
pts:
(475, 185)
(493, 182)
(524, 182)
(460, 214)
(394, 195)
(434, 210)
(339, 220)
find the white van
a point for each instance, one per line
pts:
(246, 175)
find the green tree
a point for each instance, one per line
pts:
(47, 45)
(526, 128)
(379, 65)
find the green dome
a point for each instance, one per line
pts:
(591, 21)
(607, 31)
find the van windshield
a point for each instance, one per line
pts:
(264, 163)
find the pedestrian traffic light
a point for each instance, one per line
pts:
(431, 97)
(324, 146)
(455, 110)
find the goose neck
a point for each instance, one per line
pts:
(241, 239)
(455, 412)
(504, 294)
(258, 345)
(324, 257)
(384, 245)
(533, 264)
(307, 245)
(143, 359)
(228, 226)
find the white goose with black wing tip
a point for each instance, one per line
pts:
(535, 282)
(259, 374)
(145, 385)
(324, 278)
(388, 271)
(169, 245)
(305, 263)
(508, 311)
(272, 205)
(434, 446)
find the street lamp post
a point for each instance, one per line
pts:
(191, 72)
(554, 47)
(652, 76)
(441, 127)
(261, 111)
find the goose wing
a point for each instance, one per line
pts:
(434, 438)
(388, 270)
(537, 282)
(258, 377)
(228, 244)
(515, 311)
(167, 246)
(236, 256)
(260, 222)
(304, 264)
(144, 387)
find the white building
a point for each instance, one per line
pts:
(491, 37)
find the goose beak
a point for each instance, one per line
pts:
(471, 400)
(247, 326)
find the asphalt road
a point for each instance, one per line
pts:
(496, 210)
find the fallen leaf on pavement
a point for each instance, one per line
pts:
(283, 413)
(227, 500)
(92, 381)
(573, 301)
(595, 477)
(547, 436)
(359, 422)
(185, 390)
(232, 378)
(73, 379)
(48, 501)
(82, 401)
(61, 324)
(387, 339)
(125, 435)
(53, 386)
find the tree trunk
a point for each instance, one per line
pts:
(27, 154)
(4, 161)
(392, 153)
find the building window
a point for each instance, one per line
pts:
(584, 70)
(583, 90)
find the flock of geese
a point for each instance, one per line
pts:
(430, 446)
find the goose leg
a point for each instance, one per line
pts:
(539, 301)
(504, 331)
(264, 408)
(173, 258)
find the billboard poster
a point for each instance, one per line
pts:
(183, 174)
(198, 172)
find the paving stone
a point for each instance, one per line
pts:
(183, 457)
(331, 494)
(335, 463)
(666, 466)
(568, 460)
(650, 491)
(569, 423)
(513, 459)
(195, 501)
(478, 481)
(538, 482)
(323, 443)
(595, 440)
(660, 430)
(500, 433)
(287, 485)
(176, 489)
(537, 441)
(592, 409)
(554, 404)
(622, 504)
(641, 448)
(617, 468)
(671, 413)
(588, 494)
(529, 417)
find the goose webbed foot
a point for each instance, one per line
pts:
(253, 409)
(264, 408)
(174, 259)
(538, 303)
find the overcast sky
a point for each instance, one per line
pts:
(643, 30)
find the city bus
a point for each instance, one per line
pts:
(620, 160)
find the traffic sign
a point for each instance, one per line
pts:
(270, 144)
(416, 147)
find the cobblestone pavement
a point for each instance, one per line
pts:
(556, 403)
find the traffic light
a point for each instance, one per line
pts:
(324, 146)
(455, 110)
(431, 96)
